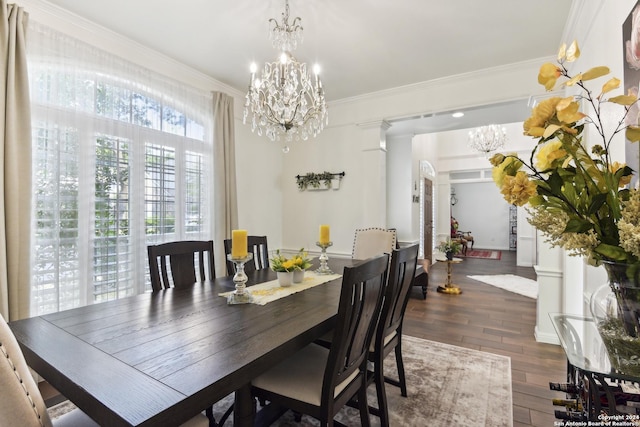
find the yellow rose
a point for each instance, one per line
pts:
(518, 189)
(288, 264)
(548, 154)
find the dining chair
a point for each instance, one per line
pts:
(318, 381)
(388, 336)
(370, 242)
(181, 263)
(22, 403)
(256, 245)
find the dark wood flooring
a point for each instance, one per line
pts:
(490, 319)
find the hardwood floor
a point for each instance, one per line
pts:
(490, 319)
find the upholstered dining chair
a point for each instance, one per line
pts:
(318, 381)
(256, 245)
(181, 263)
(370, 242)
(388, 336)
(22, 404)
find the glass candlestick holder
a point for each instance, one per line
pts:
(241, 295)
(324, 268)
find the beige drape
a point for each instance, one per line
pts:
(225, 202)
(15, 152)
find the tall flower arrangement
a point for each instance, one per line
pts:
(578, 197)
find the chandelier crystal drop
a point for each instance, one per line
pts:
(286, 101)
(487, 139)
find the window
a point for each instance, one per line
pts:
(122, 159)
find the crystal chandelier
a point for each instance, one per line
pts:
(487, 139)
(286, 102)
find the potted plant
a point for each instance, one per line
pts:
(301, 263)
(450, 248)
(283, 267)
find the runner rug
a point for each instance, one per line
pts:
(512, 283)
(482, 253)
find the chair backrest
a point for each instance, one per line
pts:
(21, 402)
(361, 297)
(400, 281)
(257, 245)
(370, 242)
(181, 263)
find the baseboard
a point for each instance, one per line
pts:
(545, 337)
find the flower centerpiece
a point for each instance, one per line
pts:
(283, 267)
(301, 263)
(290, 270)
(450, 248)
(576, 194)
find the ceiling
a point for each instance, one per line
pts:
(362, 46)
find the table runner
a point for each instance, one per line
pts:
(266, 292)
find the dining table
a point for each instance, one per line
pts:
(159, 358)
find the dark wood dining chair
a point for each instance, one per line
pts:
(388, 336)
(174, 263)
(318, 381)
(256, 245)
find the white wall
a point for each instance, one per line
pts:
(401, 184)
(482, 210)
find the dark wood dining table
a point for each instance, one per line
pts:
(158, 359)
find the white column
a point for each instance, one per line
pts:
(550, 290)
(374, 155)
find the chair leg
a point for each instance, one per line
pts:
(364, 406)
(381, 393)
(400, 365)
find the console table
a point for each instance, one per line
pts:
(595, 391)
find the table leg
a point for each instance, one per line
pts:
(244, 408)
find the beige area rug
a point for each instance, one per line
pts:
(512, 283)
(447, 386)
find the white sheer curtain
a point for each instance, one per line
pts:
(122, 159)
(15, 173)
(225, 191)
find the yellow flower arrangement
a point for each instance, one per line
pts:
(579, 199)
(299, 261)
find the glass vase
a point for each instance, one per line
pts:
(615, 307)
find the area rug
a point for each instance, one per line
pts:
(512, 283)
(482, 253)
(447, 386)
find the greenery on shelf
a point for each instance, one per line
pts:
(316, 180)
